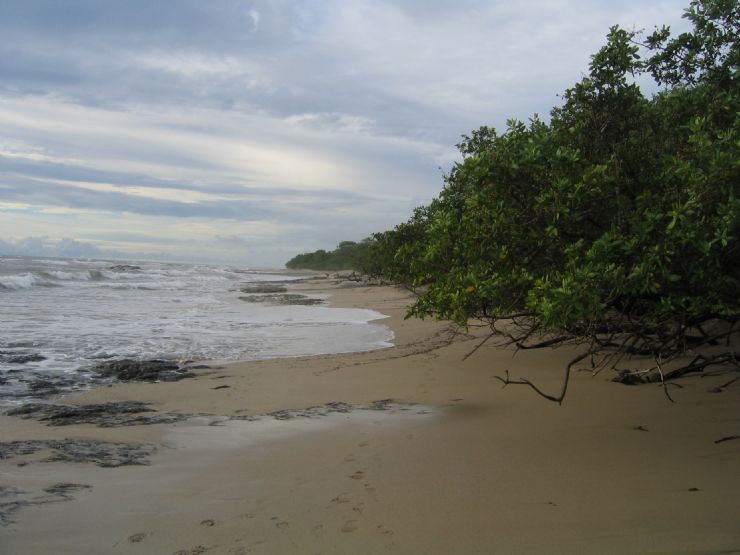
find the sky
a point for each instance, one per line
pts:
(245, 132)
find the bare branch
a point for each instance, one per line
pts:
(566, 378)
(479, 345)
(662, 380)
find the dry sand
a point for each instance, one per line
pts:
(456, 465)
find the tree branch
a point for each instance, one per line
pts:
(564, 388)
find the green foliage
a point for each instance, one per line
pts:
(617, 223)
(348, 255)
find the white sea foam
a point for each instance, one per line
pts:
(75, 313)
(25, 280)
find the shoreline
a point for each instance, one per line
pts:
(454, 464)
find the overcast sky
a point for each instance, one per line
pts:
(247, 131)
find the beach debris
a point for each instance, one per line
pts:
(627, 377)
(640, 429)
(727, 438)
(721, 388)
(129, 370)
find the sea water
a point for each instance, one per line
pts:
(61, 317)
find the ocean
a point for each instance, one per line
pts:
(59, 318)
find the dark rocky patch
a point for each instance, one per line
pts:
(101, 453)
(316, 411)
(65, 488)
(240, 417)
(124, 268)
(39, 385)
(137, 538)
(382, 404)
(282, 299)
(51, 385)
(10, 501)
(128, 370)
(264, 288)
(9, 357)
(329, 408)
(105, 415)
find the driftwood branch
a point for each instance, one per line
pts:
(545, 343)
(564, 388)
(721, 388)
(727, 438)
(479, 345)
(662, 380)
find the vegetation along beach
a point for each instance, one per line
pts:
(540, 357)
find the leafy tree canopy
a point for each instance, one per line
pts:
(615, 225)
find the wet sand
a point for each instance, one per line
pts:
(454, 464)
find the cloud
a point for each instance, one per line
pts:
(44, 246)
(317, 121)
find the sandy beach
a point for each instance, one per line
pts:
(412, 449)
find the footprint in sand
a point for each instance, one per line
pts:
(282, 524)
(341, 498)
(137, 538)
(359, 475)
(197, 550)
(349, 526)
(208, 522)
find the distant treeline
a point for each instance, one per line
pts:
(348, 255)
